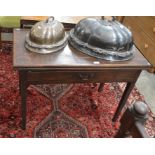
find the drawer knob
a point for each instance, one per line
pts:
(154, 29)
(146, 46)
(86, 76)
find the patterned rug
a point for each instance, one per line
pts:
(60, 110)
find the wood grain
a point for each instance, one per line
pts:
(141, 36)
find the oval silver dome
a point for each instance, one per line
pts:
(109, 40)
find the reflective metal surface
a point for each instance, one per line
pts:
(104, 39)
(46, 37)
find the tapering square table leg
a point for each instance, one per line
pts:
(101, 86)
(127, 91)
(23, 92)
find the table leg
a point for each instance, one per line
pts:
(128, 89)
(101, 86)
(23, 92)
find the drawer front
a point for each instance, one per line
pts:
(82, 77)
(143, 42)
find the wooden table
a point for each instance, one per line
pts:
(71, 66)
(68, 21)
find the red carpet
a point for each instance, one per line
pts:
(63, 111)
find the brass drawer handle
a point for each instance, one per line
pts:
(154, 29)
(86, 76)
(146, 46)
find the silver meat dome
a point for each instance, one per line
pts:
(104, 39)
(46, 37)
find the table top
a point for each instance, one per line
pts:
(68, 58)
(63, 19)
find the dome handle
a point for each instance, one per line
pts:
(109, 18)
(50, 19)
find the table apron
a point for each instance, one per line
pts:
(36, 77)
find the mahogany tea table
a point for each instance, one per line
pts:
(71, 66)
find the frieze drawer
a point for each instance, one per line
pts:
(81, 76)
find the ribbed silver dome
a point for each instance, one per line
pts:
(109, 40)
(46, 37)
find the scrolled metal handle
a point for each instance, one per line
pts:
(86, 76)
(109, 18)
(50, 19)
